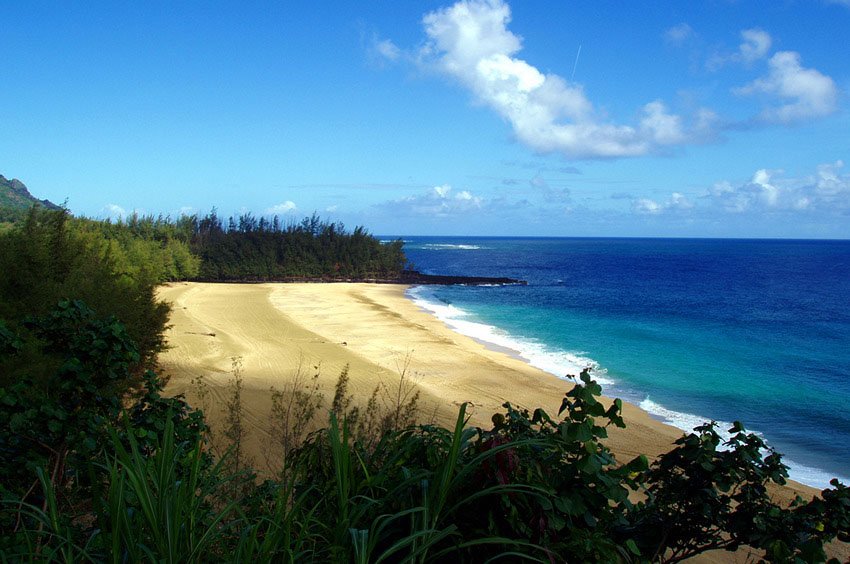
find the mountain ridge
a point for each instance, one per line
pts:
(16, 200)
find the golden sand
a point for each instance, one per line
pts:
(374, 330)
(379, 334)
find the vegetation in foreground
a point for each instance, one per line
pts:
(90, 478)
(99, 466)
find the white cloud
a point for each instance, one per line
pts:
(113, 211)
(332, 209)
(439, 201)
(679, 202)
(764, 190)
(827, 191)
(660, 126)
(283, 208)
(442, 191)
(755, 44)
(678, 34)
(828, 179)
(386, 49)
(470, 42)
(806, 92)
(676, 203)
(646, 206)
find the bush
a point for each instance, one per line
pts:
(46, 260)
(55, 426)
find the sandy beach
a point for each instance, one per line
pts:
(378, 333)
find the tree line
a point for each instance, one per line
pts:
(251, 248)
(246, 248)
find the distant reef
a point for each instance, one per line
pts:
(414, 277)
(15, 200)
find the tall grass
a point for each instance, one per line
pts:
(522, 491)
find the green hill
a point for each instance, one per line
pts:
(16, 200)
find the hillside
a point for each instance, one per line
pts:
(15, 200)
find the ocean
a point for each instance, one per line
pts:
(689, 329)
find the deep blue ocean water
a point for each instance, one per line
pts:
(689, 329)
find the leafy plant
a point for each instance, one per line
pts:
(703, 497)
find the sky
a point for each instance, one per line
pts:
(720, 118)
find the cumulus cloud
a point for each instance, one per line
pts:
(755, 45)
(806, 93)
(826, 191)
(646, 206)
(676, 203)
(113, 211)
(283, 208)
(439, 201)
(470, 42)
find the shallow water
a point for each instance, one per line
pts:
(691, 330)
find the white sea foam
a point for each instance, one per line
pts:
(808, 475)
(558, 362)
(562, 363)
(449, 246)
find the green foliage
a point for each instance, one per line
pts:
(702, 497)
(56, 429)
(51, 419)
(245, 249)
(155, 505)
(158, 501)
(146, 419)
(251, 249)
(48, 259)
(152, 249)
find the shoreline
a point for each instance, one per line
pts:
(564, 364)
(378, 332)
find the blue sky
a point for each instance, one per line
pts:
(716, 118)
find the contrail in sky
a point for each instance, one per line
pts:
(575, 64)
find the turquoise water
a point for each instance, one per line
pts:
(691, 330)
